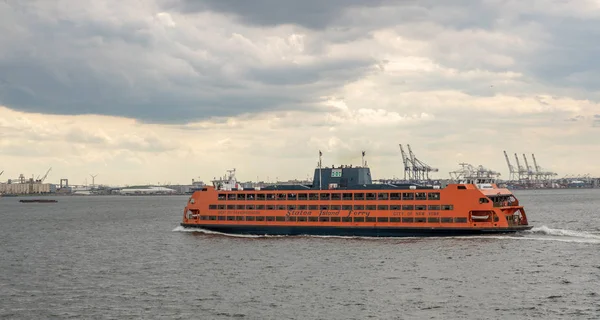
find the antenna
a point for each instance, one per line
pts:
(363, 159)
(320, 179)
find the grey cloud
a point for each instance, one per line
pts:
(315, 14)
(122, 63)
(597, 116)
(73, 65)
(576, 118)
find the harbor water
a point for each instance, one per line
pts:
(120, 257)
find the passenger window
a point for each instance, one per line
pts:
(420, 196)
(433, 196)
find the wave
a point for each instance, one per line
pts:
(204, 231)
(563, 233)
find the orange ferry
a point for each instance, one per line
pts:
(344, 201)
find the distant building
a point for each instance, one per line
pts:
(26, 188)
(145, 190)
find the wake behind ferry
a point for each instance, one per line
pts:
(344, 201)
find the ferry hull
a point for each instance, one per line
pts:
(352, 231)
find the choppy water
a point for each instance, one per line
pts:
(125, 258)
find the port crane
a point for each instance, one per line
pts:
(407, 165)
(528, 168)
(541, 173)
(475, 175)
(522, 171)
(38, 180)
(415, 168)
(511, 170)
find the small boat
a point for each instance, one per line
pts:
(38, 200)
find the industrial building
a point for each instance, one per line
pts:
(22, 185)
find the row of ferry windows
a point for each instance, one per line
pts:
(337, 219)
(330, 207)
(332, 196)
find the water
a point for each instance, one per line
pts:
(125, 258)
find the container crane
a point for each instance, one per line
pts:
(529, 171)
(420, 168)
(511, 170)
(407, 164)
(522, 172)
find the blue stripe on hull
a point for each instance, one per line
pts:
(350, 231)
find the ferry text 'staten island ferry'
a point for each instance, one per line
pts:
(343, 201)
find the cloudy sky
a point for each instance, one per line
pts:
(159, 91)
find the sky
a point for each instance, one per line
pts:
(166, 91)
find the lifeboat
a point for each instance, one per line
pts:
(480, 215)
